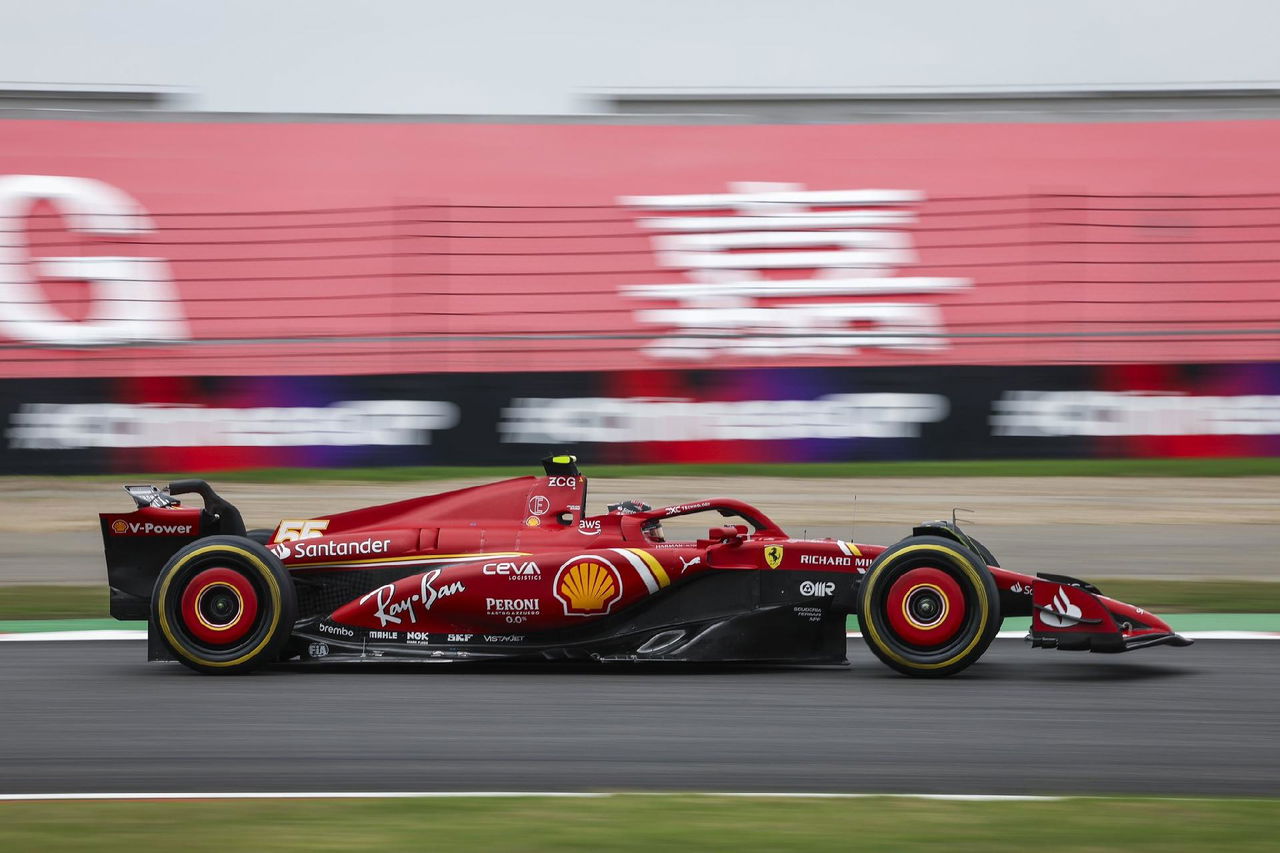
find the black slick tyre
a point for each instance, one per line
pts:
(928, 607)
(224, 605)
(984, 552)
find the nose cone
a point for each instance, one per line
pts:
(1135, 616)
(1141, 627)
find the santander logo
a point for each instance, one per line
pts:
(1061, 612)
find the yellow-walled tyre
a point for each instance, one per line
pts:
(224, 605)
(928, 607)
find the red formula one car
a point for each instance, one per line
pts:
(517, 570)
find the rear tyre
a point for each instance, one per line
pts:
(224, 605)
(261, 535)
(928, 607)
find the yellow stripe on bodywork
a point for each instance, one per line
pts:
(410, 558)
(849, 548)
(654, 566)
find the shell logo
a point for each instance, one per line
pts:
(119, 526)
(588, 585)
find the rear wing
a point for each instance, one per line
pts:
(137, 544)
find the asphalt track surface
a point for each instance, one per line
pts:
(94, 717)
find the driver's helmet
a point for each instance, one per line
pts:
(652, 528)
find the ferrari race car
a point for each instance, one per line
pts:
(517, 570)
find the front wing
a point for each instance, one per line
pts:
(1072, 615)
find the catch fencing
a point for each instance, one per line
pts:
(224, 263)
(1032, 278)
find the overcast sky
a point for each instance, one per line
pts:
(516, 56)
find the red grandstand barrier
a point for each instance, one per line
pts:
(224, 249)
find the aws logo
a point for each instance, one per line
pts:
(587, 586)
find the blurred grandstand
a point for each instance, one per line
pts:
(206, 272)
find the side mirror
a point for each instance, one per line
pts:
(730, 534)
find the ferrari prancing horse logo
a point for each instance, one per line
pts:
(773, 556)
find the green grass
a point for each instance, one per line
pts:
(642, 823)
(1213, 467)
(49, 601)
(36, 601)
(1195, 596)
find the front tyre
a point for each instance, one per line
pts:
(928, 607)
(224, 605)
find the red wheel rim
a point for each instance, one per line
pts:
(219, 606)
(925, 606)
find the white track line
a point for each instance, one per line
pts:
(366, 795)
(1232, 635)
(51, 636)
(134, 634)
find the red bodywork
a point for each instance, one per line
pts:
(520, 556)
(519, 563)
